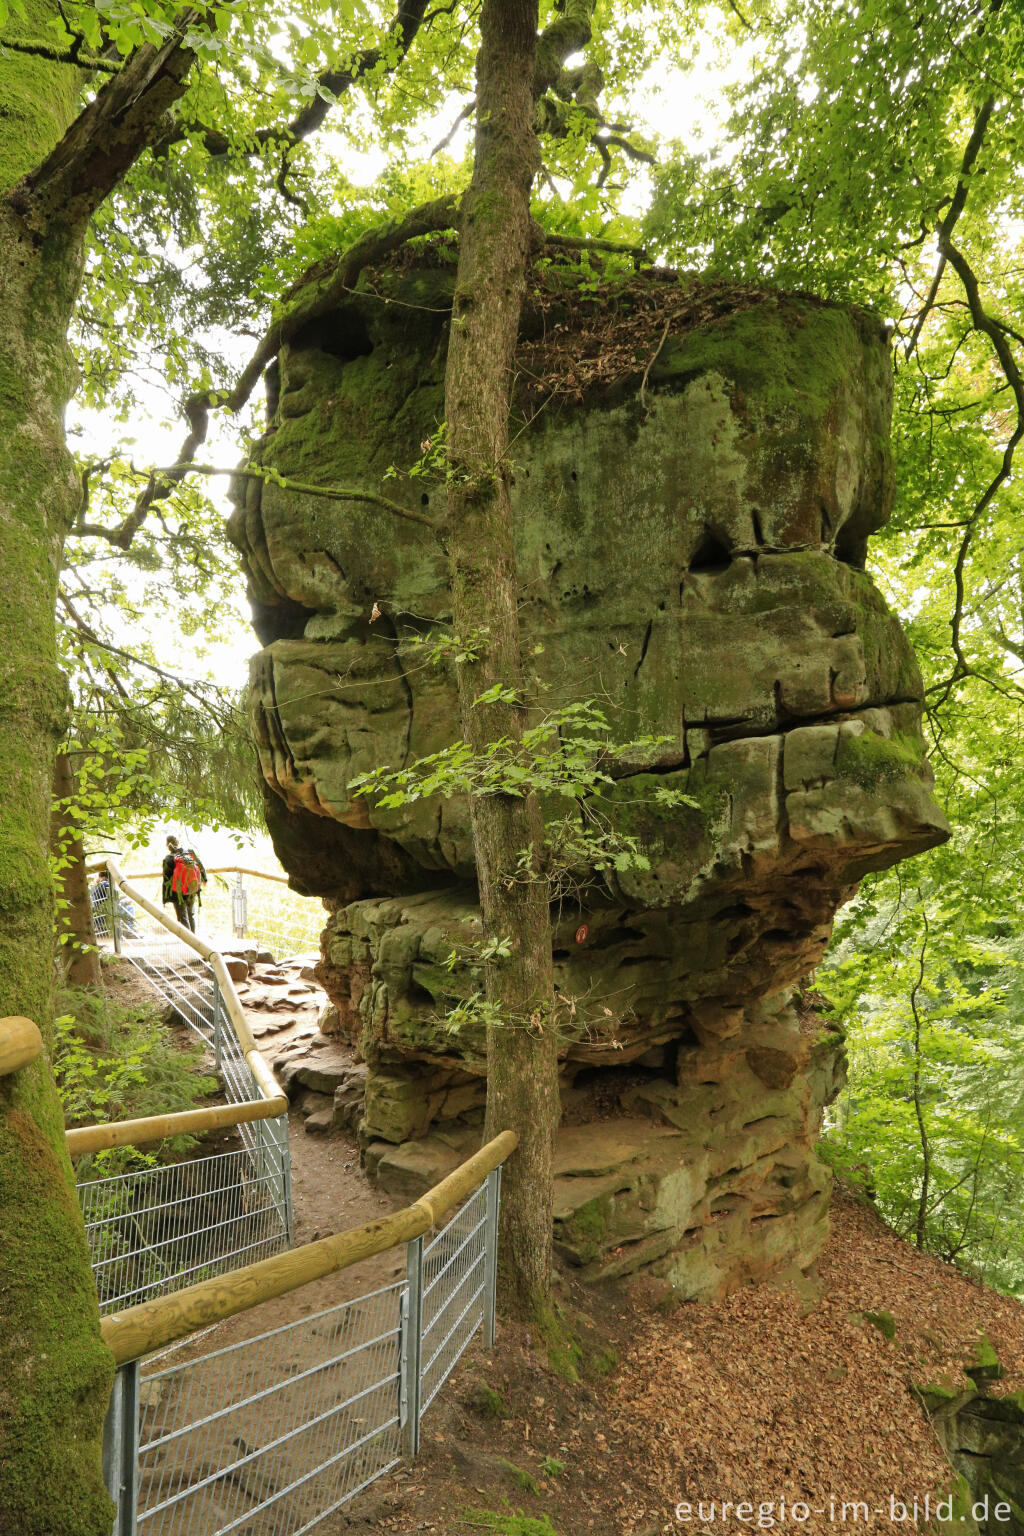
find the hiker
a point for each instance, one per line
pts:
(184, 878)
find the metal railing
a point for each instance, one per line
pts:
(254, 905)
(264, 909)
(156, 1229)
(152, 1230)
(271, 1435)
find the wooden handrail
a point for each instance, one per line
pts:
(154, 1324)
(20, 1043)
(220, 869)
(273, 1100)
(185, 1122)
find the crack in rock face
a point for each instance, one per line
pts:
(691, 557)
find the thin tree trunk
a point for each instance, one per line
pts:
(493, 255)
(55, 1373)
(76, 932)
(926, 1152)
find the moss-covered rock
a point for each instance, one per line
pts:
(984, 1439)
(690, 538)
(747, 478)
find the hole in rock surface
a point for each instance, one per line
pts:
(283, 620)
(342, 333)
(623, 935)
(851, 547)
(596, 1093)
(711, 554)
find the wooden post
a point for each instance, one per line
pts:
(20, 1043)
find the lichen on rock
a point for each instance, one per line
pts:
(692, 511)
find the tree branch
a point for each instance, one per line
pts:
(110, 134)
(568, 33)
(311, 300)
(175, 473)
(403, 29)
(197, 409)
(956, 208)
(996, 334)
(616, 141)
(585, 243)
(331, 492)
(208, 696)
(739, 14)
(62, 56)
(467, 111)
(579, 87)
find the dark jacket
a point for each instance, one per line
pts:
(168, 875)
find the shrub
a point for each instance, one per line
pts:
(117, 1062)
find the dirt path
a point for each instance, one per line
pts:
(330, 1193)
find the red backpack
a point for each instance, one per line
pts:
(185, 879)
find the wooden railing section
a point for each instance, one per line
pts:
(153, 1324)
(212, 869)
(272, 1102)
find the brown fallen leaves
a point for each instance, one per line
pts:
(579, 338)
(763, 1396)
(760, 1398)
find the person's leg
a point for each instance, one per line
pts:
(179, 908)
(190, 909)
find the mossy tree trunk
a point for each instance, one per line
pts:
(55, 1373)
(76, 931)
(55, 170)
(493, 255)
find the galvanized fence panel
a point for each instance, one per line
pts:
(154, 1230)
(243, 905)
(454, 1289)
(271, 1435)
(158, 1229)
(277, 918)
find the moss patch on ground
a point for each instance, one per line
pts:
(565, 1355)
(516, 1524)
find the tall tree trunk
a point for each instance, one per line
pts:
(921, 1226)
(76, 931)
(55, 1373)
(493, 256)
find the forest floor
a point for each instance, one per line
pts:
(781, 1391)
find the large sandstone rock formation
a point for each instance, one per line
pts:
(697, 472)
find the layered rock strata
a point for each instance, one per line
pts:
(691, 529)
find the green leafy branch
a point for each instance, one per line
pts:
(568, 754)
